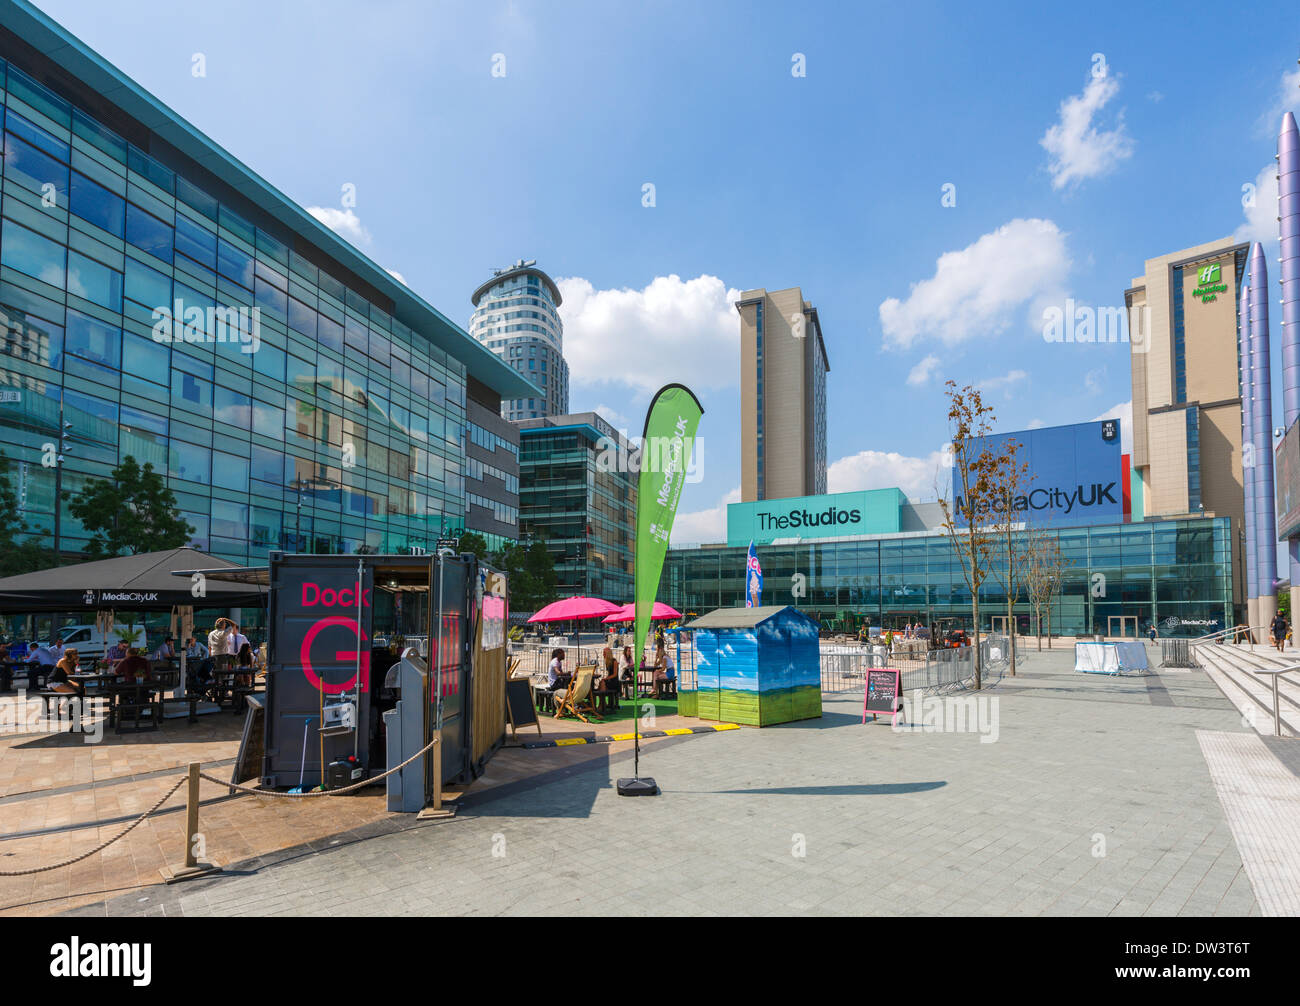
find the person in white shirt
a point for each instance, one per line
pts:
(221, 641)
(240, 639)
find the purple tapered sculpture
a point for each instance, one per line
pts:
(1247, 433)
(1261, 416)
(1288, 211)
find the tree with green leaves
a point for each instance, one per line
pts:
(471, 541)
(530, 572)
(20, 551)
(130, 512)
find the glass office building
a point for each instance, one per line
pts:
(303, 399)
(1118, 579)
(516, 315)
(582, 507)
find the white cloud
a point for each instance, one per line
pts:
(1155, 97)
(1078, 148)
(344, 223)
(397, 276)
(919, 478)
(672, 330)
(1260, 212)
(920, 374)
(1287, 99)
(616, 419)
(704, 527)
(1035, 424)
(1006, 382)
(1124, 413)
(974, 290)
(1092, 380)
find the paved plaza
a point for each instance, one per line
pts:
(1097, 797)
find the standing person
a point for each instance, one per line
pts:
(244, 661)
(1151, 632)
(1279, 629)
(221, 643)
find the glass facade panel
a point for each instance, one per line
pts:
(1177, 574)
(127, 234)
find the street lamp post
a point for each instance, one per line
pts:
(64, 435)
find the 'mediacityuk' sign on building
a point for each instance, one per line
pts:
(1077, 473)
(872, 511)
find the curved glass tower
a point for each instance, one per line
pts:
(516, 316)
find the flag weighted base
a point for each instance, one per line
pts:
(638, 787)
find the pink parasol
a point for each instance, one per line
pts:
(627, 613)
(574, 608)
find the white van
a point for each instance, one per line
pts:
(88, 639)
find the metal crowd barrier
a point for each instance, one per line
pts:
(1177, 653)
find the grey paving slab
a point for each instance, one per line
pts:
(1094, 799)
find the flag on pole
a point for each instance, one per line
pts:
(753, 579)
(666, 444)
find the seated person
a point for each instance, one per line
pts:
(664, 671)
(556, 678)
(59, 680)
(132, 666)
(607, 684)
(118, 651)
(165, 652)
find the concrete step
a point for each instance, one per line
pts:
(1233, 669)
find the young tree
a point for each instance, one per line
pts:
(1011, 478)
(20, 552)
(132, 511)
(1044, 564)
(966, 517)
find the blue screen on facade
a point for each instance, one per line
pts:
(1075, 473)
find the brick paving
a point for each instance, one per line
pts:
(1095, 799)
(60, 796)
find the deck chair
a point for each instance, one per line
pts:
(579, 697)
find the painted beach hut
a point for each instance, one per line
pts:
(756, 666)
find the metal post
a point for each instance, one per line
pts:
(1277, 716)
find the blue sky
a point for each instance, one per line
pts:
(1069, 171)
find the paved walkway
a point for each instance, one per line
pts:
(1094, 799)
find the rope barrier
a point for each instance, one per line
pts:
(100, 848)
(318, 792)
(220, 782)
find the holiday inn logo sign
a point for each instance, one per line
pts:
(1209, 283)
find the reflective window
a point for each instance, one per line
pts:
(148, 233)
(145, 358)
(32, 254)
(35, 170)
(194, 241)
(95, 204)
(190, 462)
(94, 281)
(93, 339)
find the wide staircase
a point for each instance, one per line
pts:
(1242, 672)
